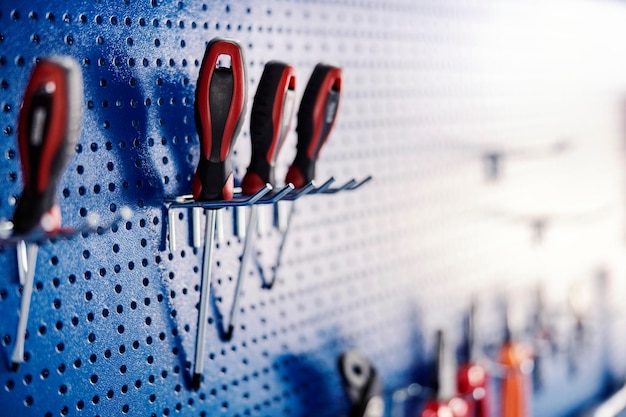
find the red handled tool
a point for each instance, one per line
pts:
(49, 124)
(316, 117)
(220, 106)
(362, 384)
(272, 111)
(444, 403)
(48, 129)
(221, 96)
(471, 378)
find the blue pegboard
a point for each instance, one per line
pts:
(429, 87)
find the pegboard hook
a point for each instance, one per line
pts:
(350, 185)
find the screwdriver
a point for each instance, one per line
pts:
(362, 384)
(316, 117)
(444, 403)
(514, 357)
(220, 106)
(270, 119)
(471, 379)
(48, 128)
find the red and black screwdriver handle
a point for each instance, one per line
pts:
(472, 381)
(220, 106)
(316, 117)
(270, 119)
(48, 129)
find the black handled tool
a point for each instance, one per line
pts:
(472, 380)
(316, 117)
(48, 129)
(220, 106)
(221, 95)
(272, 111)
(362, 384)
(49, 124)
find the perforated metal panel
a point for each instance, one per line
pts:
(429, 88)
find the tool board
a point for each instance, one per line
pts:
(493, 133)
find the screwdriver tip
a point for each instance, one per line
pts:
(195, 382)
(229, 333)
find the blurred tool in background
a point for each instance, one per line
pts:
(516, 361)
(445, 402)
(362, 384)
(48, 129)
(472, 380)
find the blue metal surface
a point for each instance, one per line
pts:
(429, 87)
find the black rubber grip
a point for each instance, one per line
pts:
(48, 129)
(316, 117)
(270, 118)
(219, 108)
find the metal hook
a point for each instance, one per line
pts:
(186, 201)
(279, 195)
(300, 192)
(348, 185)
(322, 188)
(360, 184)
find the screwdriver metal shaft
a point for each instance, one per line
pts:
(17, 356)
(205, 287)
(250, 233)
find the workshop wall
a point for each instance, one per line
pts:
(432, 92)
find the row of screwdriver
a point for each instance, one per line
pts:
(49, 125)
(497, 379)
(466, 391)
